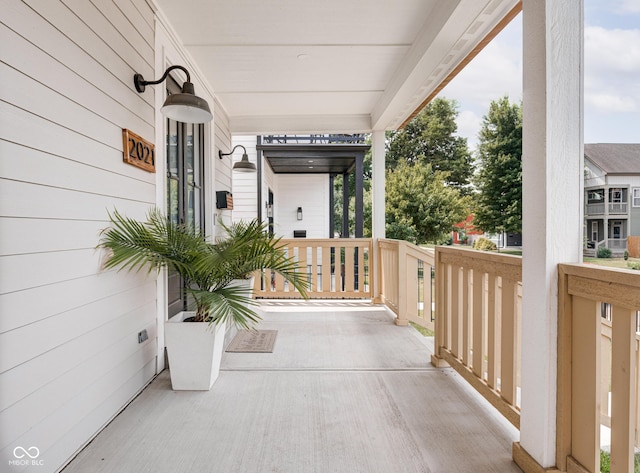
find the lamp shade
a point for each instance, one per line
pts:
(187, 108)
(244, 165)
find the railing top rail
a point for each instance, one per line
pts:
(326, 241)
(425, 254)
(504, 265)
(603, 284)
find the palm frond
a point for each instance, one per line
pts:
(206, 268)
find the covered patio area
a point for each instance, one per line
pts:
(345, 390)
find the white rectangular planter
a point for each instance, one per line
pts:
(195, 352)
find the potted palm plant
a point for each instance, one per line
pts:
(195, 339)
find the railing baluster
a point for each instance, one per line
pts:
(349, 273)
(585, 380)
(492, 373)
(478, 326)
(454, 313)
(326, 269)
(465, 316)
(508, 342)
(623, 386)
(605, 372)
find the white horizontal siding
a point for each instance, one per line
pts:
(29, 306)
(245, 184)
(223, 180)
(624, 181)
(90, 58)
(309, 191)
(69, 352)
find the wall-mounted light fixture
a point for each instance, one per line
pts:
(269, 208)
(244, 165)
(185, 107)
(299, 213)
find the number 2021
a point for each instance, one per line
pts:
(142, 152)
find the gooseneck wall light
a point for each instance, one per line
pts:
(244, 165)
(184, 107)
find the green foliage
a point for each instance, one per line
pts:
(603, 252)
(605, 462)
(626, 255)
(430, 138)
(420, 206)
(499, 179)
(633, 265)
(207, 269)
(484, 244)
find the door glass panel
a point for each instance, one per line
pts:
(172, 172)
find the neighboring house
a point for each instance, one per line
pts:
(612, 195)
(466, 232)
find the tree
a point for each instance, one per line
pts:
(430, 137)
(420, 206)
(499, 180)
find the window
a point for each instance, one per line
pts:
(615, 195)
(185, 188)
(635, 199)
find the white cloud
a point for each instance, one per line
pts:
(612, 50)
(612, 68)
(469, 124)
(611, 103)
(630, 6)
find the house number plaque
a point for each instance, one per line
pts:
(138, 151)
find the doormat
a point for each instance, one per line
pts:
(253, 341)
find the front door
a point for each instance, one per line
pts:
(616, 230)
(185, 192)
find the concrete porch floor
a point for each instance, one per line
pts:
(345, 390)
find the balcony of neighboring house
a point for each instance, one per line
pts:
(607, 201)
(346, 389)
(595, 204)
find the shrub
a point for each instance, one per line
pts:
(626, 255)
(604, 252)
(633, 265)
(484, 244)
(605, 462)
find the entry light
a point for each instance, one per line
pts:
(244, 165)
(184, 107)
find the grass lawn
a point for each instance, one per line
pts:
(611, 262)
(424, 331)
(511, 252)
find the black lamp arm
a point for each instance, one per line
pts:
(221, 154)
(141, 83)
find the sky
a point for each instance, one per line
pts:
(611, 76)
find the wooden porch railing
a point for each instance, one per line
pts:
(404, 273)
(597, 360)
(478, 322)
(336, 268)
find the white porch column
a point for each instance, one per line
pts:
(377, 196)
(552, 201)
(377, 185)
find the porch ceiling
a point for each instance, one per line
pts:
(290, 66)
